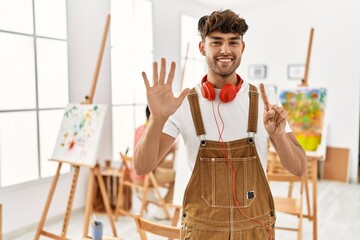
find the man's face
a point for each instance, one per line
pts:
(223, 52)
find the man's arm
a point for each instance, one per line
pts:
(292, 155)
(154, 144)
(152, 147)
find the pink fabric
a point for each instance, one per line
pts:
(138, 133)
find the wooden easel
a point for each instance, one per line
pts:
(304, 81)
(94, 171)
(185, 63)
(312, 160)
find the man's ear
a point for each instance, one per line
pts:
(243, 46)
(202, 48)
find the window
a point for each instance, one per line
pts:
(191, 59)
(131, 53)
(33, 87)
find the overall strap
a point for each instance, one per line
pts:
(253, 109)
(195, 112)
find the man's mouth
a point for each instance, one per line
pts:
(224, 60)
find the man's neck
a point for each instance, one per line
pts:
(219, 81)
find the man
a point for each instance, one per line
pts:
(225, 129)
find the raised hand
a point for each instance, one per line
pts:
(160, 97)
(274, 116)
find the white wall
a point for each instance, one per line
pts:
(278, 35)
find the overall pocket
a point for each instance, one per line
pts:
(216, 181)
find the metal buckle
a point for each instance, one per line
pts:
(251, 137)
(202, 140)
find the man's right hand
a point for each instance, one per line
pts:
(160, 97)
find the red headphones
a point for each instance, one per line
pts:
(227, 93)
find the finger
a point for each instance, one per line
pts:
(155, 73)
(162, 70)
(146, 81)
(282, 117)
(274, 107)
(278, 112)
(182, 95)
(171, 73)
(269, 115)
(264, 97)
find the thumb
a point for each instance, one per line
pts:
(182, 95)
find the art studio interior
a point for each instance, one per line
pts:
(72, 96)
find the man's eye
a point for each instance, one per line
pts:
(216, 43)
(234, 43)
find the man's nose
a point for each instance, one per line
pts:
(225, 49)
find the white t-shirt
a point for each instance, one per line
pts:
(234, 115)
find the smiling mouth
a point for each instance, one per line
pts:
(224, 60)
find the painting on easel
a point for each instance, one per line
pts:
(80, 133)
(306, 114)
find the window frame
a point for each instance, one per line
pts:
(37, 109)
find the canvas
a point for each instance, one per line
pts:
(306, 114)
(80, 134)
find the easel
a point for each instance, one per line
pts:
(304, 81)
(94, 171)
(312, 160)
(184, 68)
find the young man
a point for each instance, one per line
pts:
(225, 128)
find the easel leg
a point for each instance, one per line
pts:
(119, 197)
(144, 195)
(48, 201)
(71, 200)
(314, 176)
(89, 201)
(162, 200)
(105, 199)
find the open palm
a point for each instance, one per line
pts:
(160, 96)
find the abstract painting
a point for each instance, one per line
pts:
(80, 134)
(306, 114)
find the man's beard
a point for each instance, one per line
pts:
(218, 70)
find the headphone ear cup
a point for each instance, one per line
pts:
(228, 93)
(207, 90)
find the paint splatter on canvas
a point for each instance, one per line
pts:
(80, 132)
(306, 112)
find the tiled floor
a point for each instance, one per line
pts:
(338, 217)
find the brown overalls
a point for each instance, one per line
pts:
(209, 209)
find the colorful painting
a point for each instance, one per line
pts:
(80, 133)
(306, 113)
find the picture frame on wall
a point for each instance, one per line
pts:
(257, 71)
(296, 71)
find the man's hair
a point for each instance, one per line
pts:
(147, 112)
(225, 21)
